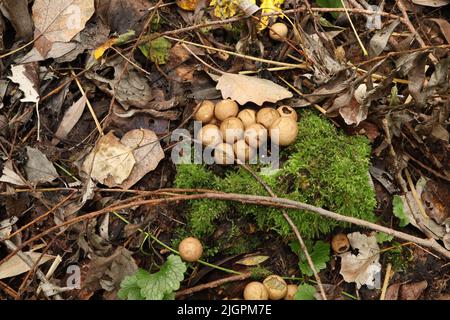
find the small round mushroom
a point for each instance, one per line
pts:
(284, 130)
(276, 287)
(278, 31)
(210, 135)
(232, 129)
(248, 117)
(340, 243)
(190, 249)
(224, 154)
(225, 109)
(287, 111)
(291, 291)
(242, 151)
(255, 135)
(205, 111)
(255, 291)
(267, 116)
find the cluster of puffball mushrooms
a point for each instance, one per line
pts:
(236, 135)
(273, 287)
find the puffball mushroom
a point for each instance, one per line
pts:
(242, 151)
(278, 31)
(210, 135)
(284, 130)
(190, 249)
(224, 154)
(287, 111)
(291, 291)
(267, 116)
(255, 135)
(276, 287)
(340, 243)
(248, 117)
(255, 291)
(205, 112)
(225, 109)
(232, 129)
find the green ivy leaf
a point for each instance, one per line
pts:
(399, 212)
(305, 292)
(383, 237)
(320, 255)
(156, 50)
(156, 286)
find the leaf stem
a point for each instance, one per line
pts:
(118, 215)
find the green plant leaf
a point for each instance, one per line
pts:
(320, 255)
(383, 237)
(156, 50)
(399, 212)
(129, 289)
(154, 286)
(330, 4)
(305, 292)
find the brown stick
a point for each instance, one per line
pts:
(213, 284)
(251, 199)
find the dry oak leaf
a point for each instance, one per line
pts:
(243, 89)
(110, 162)
(147, 152)
(59, 21)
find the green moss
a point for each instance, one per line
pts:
(324, 168)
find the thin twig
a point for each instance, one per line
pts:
(213, 284)
(91, 109)
(294, 228)
(386, 281)
(244, 198)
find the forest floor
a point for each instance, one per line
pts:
(95, 96)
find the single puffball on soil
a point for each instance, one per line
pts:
(190, 249)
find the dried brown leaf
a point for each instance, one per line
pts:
(147, 152)
(15, 265)
(243, 89)
(412, 291)
(27, 76)
(110, 162)
(381, 37)
(363, 267)
(444, 25)
(70, 119)
(432, 3)
(19, 16)
(38, 167)
(59, 21)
